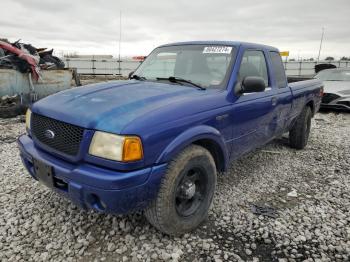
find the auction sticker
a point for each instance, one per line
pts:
(217, 50)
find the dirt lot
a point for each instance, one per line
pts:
(309, 189)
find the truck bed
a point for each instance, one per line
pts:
(304, 90)
(292, 79)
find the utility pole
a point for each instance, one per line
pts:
(120, 40)
(319, 51)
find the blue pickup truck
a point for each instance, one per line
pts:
(157, 141)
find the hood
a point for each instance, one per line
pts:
(341, 87)
(111, 106)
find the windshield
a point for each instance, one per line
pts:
(334, 75)
(204, 65)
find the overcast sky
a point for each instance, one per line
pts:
(92, 26)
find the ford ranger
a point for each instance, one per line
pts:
(157, 141)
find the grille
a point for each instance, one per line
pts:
(329, 97)
(63, 137)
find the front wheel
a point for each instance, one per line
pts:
(299, 134)
(185, 193)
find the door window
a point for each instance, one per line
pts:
(253, 64)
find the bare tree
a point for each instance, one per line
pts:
(344, 58)
(329, 58)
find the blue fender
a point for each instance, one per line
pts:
(191, 136)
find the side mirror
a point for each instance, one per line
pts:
(130, 74)
(252, 84)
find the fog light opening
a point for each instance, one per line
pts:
(96, 203)
(60, 184)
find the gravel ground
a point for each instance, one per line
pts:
(309, 189)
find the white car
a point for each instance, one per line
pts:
(336, 88)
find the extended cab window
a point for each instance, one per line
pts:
(253, 64)
(278, 69)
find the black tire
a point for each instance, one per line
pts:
(174, 211)
(299, 134)
(11, 107)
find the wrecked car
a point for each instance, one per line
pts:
(28, 74)
(336, 88)
(158, 141)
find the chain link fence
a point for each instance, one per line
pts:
(113, 66)
(307, 68)
(95, 66)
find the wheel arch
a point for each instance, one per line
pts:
(215, 150)
(311, 104)
(205, 136)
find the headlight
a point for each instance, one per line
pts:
(28, 117)
(116, 147)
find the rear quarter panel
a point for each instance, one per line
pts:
(305, 92)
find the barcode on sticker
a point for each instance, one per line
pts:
(217, 50)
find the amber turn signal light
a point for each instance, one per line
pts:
(132, 149)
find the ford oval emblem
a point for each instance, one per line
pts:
(49, 134)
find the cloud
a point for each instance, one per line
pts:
(93, 26)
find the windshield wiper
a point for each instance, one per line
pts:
(140, 78)
(175, 79)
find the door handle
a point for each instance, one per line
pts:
(274, 101)
(221, 117)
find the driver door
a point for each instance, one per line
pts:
(252, 113)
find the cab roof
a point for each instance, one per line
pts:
(226, 43)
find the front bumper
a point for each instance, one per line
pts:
(336, 106)
(335, 101)
(93, 187)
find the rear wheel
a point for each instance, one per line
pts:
(186, 192)
(299, 134)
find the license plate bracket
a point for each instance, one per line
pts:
(44, 173)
